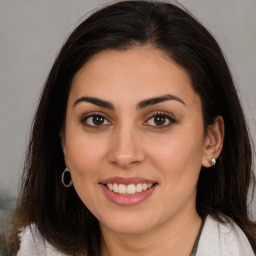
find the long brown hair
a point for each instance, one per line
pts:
(58, 212)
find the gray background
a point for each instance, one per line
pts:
(31, 33)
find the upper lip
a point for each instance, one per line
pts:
(127, 180)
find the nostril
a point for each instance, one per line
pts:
(125, 162)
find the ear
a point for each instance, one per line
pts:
(63, 145)
(213, 141)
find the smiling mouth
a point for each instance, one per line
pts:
(129, 189)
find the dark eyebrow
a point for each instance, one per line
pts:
(95, 101)
(140, 105)
(156, 100)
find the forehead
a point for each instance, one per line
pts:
(136, 73)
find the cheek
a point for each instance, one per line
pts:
(179, 158)
(85, 154)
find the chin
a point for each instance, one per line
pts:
(128, 224)
(129, 229)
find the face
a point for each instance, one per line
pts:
(134, 139)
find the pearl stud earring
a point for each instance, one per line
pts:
(213, 161)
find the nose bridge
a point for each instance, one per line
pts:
(126, 150)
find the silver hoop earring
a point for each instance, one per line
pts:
(63, 178)
(213, 162)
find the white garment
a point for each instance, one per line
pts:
(216, 239)
(223, 240)
(33, 244)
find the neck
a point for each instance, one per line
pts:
(173, 238)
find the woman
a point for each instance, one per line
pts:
(128, 154)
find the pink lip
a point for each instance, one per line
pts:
(127, 200)
(127, 180)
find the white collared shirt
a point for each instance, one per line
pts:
(217, 239)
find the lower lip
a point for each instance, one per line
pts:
(127, 200)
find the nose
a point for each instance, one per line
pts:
(126, 150)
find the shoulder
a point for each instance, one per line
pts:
(223, 239)
(33, 244)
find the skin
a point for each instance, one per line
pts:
(129, 143)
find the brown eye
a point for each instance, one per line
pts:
(160, 120)
(95, 120)
(98, 120)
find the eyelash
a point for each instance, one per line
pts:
(92, 115)
(162, 114)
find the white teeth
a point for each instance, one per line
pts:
(115, 188)
(122, 189)
(110, 186)
(139, 188)
(130, 189)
